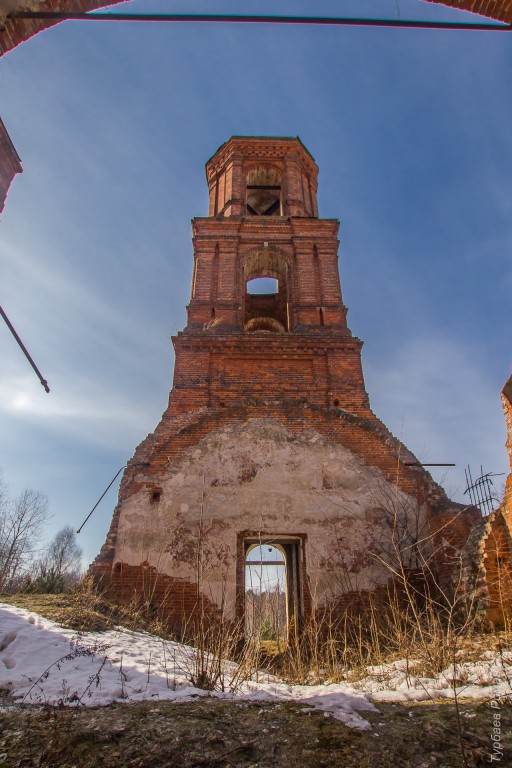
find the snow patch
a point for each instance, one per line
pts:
(46, 663)
(55, 665)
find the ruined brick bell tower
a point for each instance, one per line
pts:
(294, 344)
(268, 443)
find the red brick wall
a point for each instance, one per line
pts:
(228, 169)
(218, 370)
(494, 9)
(10, 164)
(497, 569)
(303, 252)
(506, 398)
(175, 601)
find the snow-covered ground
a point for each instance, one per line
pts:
(40, 662)
(489, 677)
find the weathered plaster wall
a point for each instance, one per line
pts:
(262, 478)
(366, 441)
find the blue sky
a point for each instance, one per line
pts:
(114, 122)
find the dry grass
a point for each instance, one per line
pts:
(88, 610)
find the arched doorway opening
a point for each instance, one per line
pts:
(266, 617)
(272, 590)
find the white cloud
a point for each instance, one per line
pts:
(87, 412)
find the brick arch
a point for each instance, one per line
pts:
(264, 172)
(366, 438)
(283, 252)
(16, 31)
(265, 262)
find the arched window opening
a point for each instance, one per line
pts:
(263, 192)
(259, 285)
(266, 594)
(266, 292)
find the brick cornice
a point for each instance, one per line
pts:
(260, 148)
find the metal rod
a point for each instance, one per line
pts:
(25, 351)
(419, 464)
(249, 563)
(102, 495)
(135, 464)
(243, 19)
(480, 489)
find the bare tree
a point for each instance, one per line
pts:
(64, 555)
(21, 521)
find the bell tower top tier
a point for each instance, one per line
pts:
(263, 223)
(262, 176)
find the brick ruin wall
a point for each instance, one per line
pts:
(328, 478)
(10, 164)
(497, 555)
(488, 552)
(506, 399)
(497, 570)
(487, 568)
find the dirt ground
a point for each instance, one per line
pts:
(210, 732)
